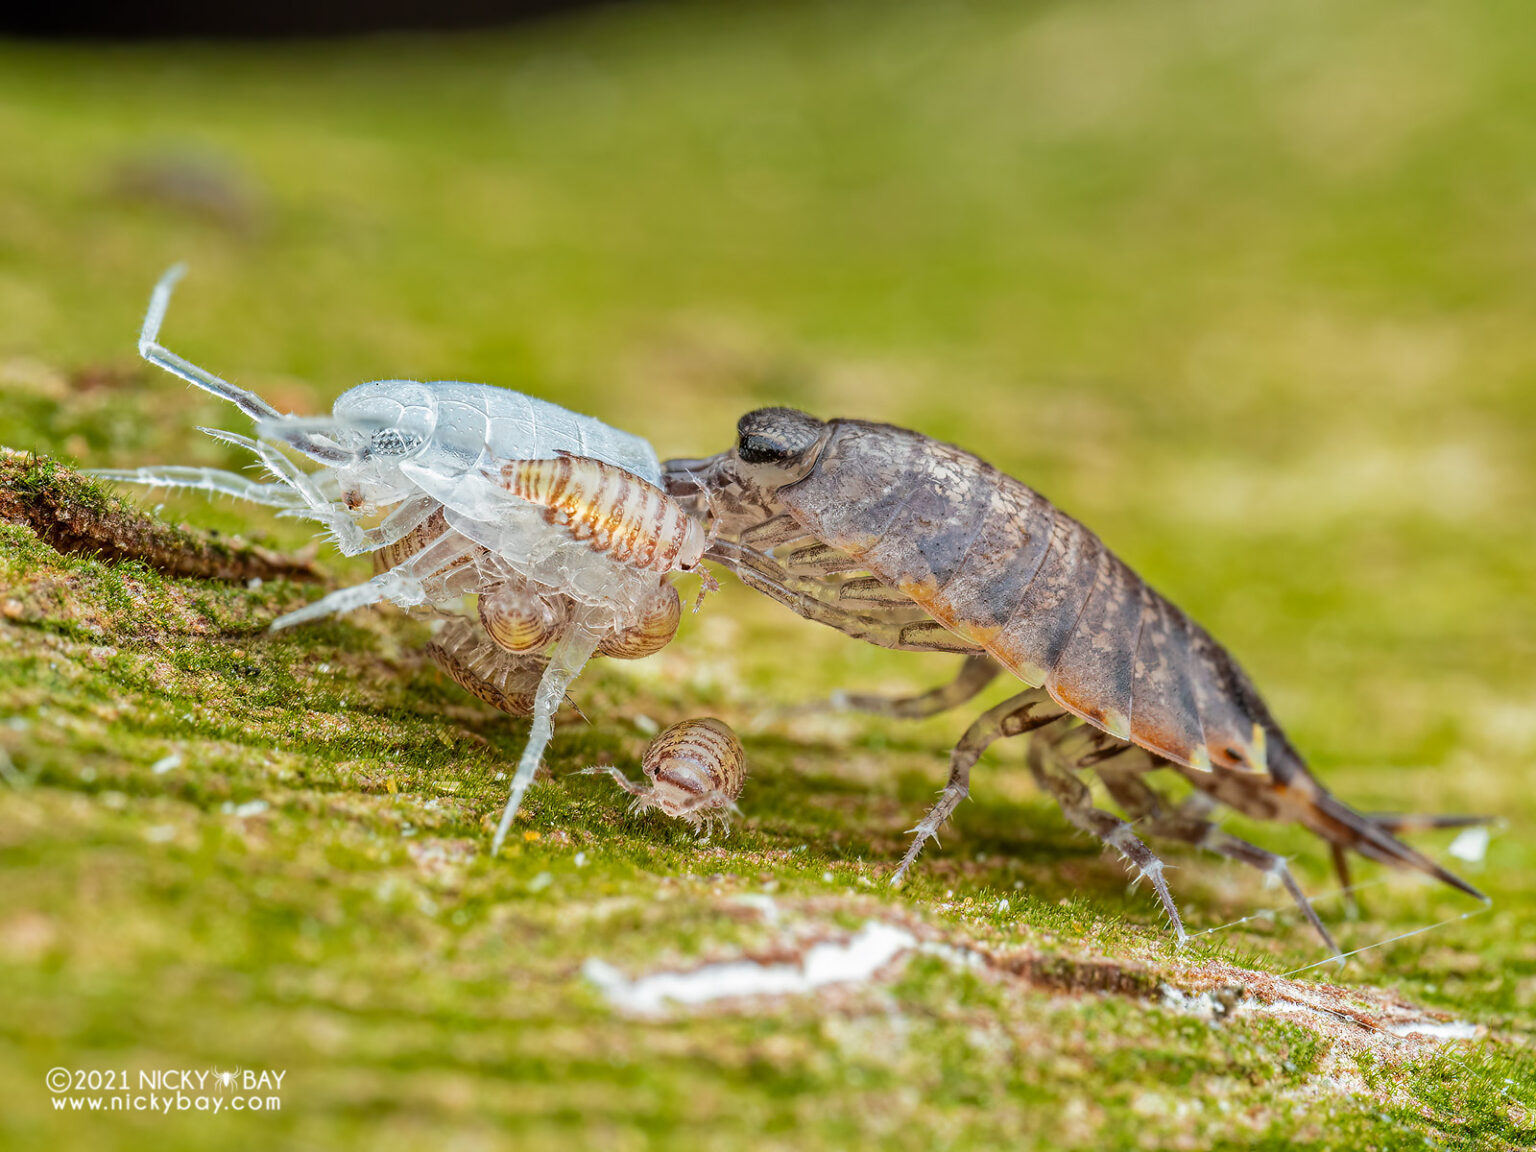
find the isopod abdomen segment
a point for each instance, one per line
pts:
(696, 770)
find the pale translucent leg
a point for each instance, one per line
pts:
(404, 520)
(310, 493)
(566, 661)
(248, 402)
(215, 481)
(403, 584)
(350, 539)
(1018, 714)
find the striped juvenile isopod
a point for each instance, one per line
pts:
(614, 511)
(651, 632)
(696, 768)
(486, 670)
(521, 619)
(903, 541)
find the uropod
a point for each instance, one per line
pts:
(411, 472)
(895, 538)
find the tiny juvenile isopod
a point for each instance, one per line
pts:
(614, 511)
(520, 619)
(653, 630)
(696, 770)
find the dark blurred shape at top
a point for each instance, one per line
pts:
(155, 19)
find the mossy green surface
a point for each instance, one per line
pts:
(1247, 289)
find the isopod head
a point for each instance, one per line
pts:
(777, 446)
(374, 428)
(649, 634)
(521, 620)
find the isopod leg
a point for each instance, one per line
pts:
(892, 629)
(310, 502)
(1076, 803)
(818, 559)
(402, 584)
(1016, 715)
(248, 402)
(566, 661)
(1341, 867)
(1142, 803)
(618, 778)
(212, 480)
(771, 533)
(976, 673)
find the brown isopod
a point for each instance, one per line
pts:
(696, 768)
(895, 538)
(653, 630)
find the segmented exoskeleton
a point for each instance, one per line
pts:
(408, 472)
(903, 541)
(696, 768)
(615, 511)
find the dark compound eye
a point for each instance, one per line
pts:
(776, 435)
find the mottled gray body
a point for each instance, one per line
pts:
(901, 540)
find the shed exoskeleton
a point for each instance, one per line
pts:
(410, 473)
(906, 542)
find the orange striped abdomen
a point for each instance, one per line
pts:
(614, 511)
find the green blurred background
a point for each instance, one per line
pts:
(1247, 287)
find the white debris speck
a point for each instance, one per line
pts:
(580, 860)
(540, 882)
(253, 583)
(646, 724)
(1436, 1029)
(766, 905)
(322, 668)
(873, 947)
(249, 808)
(1471, 845)
(1002, 905)
(826, 877)
(166, 764)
